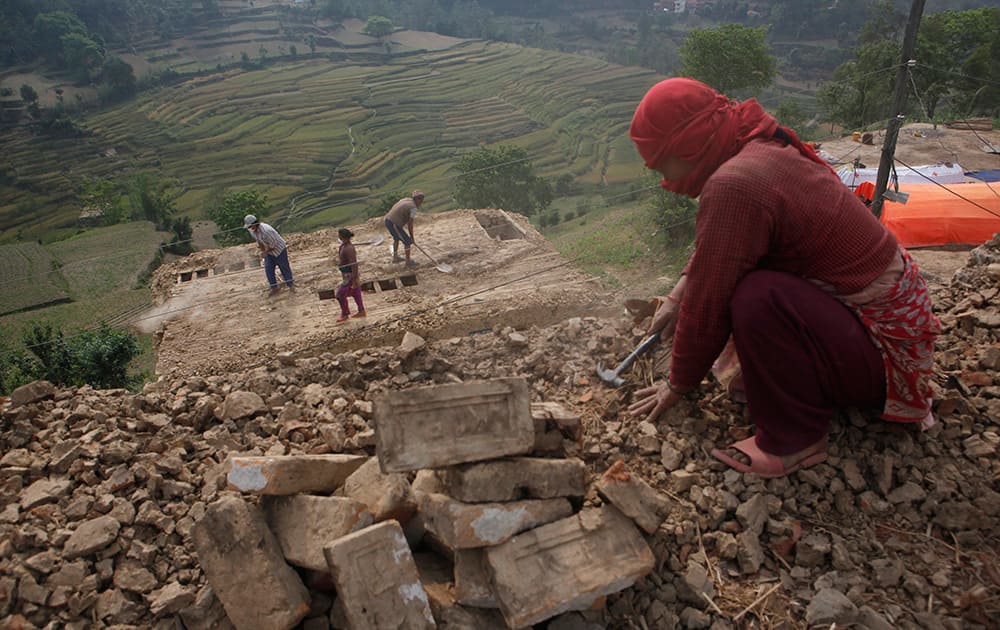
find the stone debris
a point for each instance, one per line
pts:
(515, 478)
(116, 508)
(304, 524)
(244, 565)
(634, 497)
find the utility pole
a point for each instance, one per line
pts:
(898, 104)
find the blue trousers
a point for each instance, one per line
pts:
(281, 262)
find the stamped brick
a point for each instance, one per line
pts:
(443, 425)
(377, 579)
(567, 565)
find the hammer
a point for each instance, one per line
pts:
(613, 377)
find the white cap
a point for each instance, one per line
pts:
(249, 220)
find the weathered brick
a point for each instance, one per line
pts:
(244, 566)
(304, 524)
(291, 474)
(472, 579)
(387, 496)
(634, 497)
(443, 425)
(558, 430)
(515, 478)
(377, 580)
(469, 525)
(567, 565)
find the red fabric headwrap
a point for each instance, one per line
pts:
(687, 119)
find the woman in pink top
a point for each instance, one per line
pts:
(825, 309)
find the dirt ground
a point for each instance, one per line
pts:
(213, 313)
(923, 143)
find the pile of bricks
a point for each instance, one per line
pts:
(473, 472)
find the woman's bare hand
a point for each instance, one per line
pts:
(653, 401)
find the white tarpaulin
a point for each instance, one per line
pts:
(940, 173)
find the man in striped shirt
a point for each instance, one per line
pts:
(273, 250)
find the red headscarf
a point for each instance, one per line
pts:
(686, 119)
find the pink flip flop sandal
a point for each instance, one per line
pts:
(764, 464)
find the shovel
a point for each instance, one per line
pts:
(613, 377)
(442, 267)
(374, 241)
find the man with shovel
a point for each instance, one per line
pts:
(399, 222)
(273, 250)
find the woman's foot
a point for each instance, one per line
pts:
(746, 456)
(342, 319)
(360, 314)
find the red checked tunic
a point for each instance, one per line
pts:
(770, 207)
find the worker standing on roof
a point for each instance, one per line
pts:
(399, 222)
(350, 285)
(273, 250)
(825, 309)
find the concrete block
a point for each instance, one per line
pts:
(567, 565)
(377, 580)
(305, 524)
(244, 566)
(291, 474)
(472, 579)
(515, 478)
(634, 497)
(443, 425)
(387, 496)
(556, 428)
(469, 525)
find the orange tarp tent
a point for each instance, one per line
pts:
(935, 216)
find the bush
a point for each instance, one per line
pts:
(99, 358)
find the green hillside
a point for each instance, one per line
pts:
(339, 130)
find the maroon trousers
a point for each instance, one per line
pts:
(803, 354)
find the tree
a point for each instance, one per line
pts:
(378, 26)
(180, 243)
(81, 54)
(51, 27)
(103, 197)
(957, 43)
(150, 200)
(380, 205)
(673, 214)
(501, 177)
(28, 94)
(228, 216)
(119, 76)
(730, 58)
(100, 358)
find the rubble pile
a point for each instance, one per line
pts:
(499, 516)
(101, 492)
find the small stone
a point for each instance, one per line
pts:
(830, 606)
(91, 536)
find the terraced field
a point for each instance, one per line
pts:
(30, 278)
(334, 133)
(79, 281)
